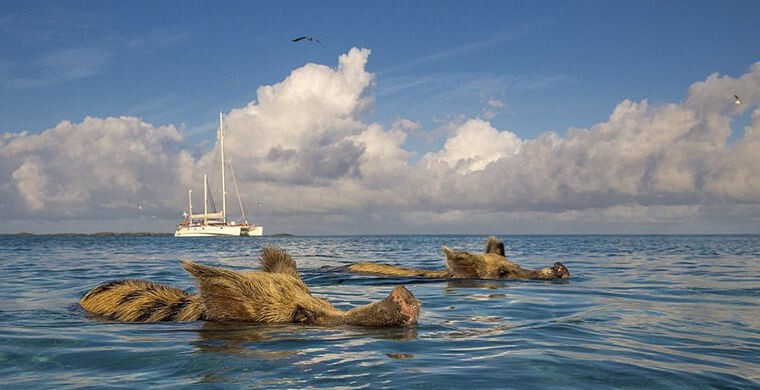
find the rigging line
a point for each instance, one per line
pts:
(211, 200)
(237, 191)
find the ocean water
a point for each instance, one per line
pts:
(637, 312)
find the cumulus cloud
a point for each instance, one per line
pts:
(98, 168)
(474, 145)
(643, 155)
(304, 150)
(299, 130)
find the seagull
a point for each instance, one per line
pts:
(737, 100)
(308, 38)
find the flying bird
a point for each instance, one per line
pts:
(308, 38)
(737, 100)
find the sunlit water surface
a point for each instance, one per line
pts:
(638, 311)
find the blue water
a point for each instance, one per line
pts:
(638, 311)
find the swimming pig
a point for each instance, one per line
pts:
(466, 265)
(276, 294)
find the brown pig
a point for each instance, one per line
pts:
(466, 265)
(276, 294)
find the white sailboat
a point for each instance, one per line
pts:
(215, 223)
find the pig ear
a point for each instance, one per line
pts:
(203, 272)
(461, 264)
(221, 291)
(494, 245)
(450, 255)
(276, 260)
(447, 251)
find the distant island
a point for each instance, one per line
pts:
(99, 234)
(110, 234)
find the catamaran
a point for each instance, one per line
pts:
(215, 223)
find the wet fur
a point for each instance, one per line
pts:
(466, 265)
(394, 270)
(274, 295)
(142, 301)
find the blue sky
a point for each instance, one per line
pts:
(529, 68)
(554, 64)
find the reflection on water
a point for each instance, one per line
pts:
(240, 332)
(638, 312)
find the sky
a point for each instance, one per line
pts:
(440, 117)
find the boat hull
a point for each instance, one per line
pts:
(208, 231)
(254, 231)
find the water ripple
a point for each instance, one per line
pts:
(638, 312)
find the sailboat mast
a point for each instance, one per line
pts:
(221, 154)
(190, 202)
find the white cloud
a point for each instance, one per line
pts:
(93, 169)
(475, 144)
(299, 130)
(734, 172)
(495, 103)
(304, 151)
(31, 182)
